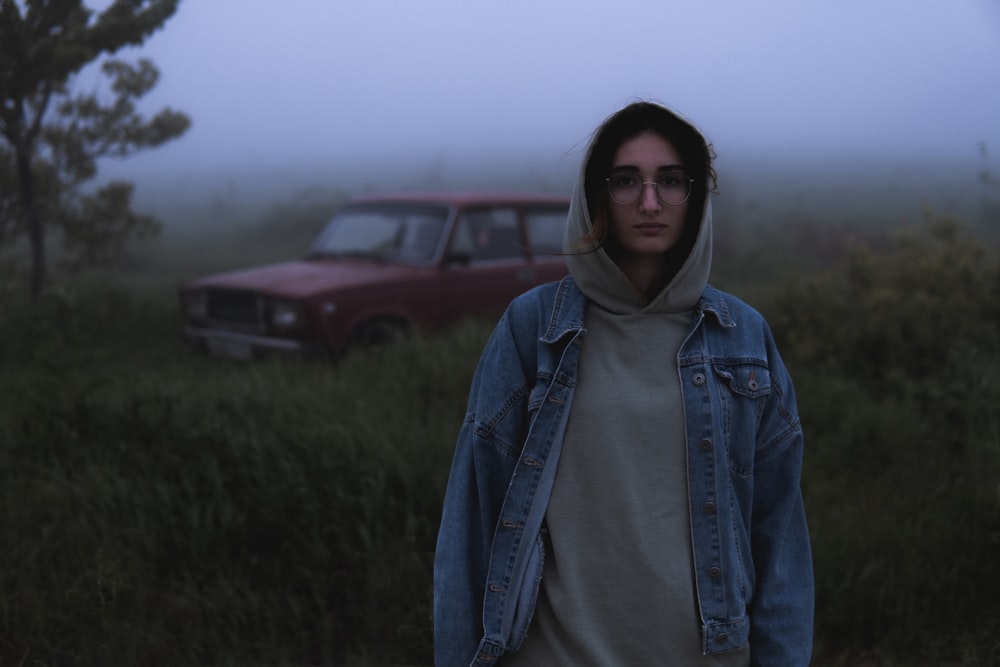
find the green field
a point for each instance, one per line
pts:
(159, 507)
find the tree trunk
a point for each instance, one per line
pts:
(36, 230)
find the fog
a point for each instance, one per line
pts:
(371, 93)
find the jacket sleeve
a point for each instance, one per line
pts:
(483, 463)
(781, 613)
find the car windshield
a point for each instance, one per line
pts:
(409, 234)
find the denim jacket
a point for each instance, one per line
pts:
(744, 450)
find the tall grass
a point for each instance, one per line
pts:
(160, 507)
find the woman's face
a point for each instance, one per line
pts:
(648, 228)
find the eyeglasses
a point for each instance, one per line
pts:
(672, 188)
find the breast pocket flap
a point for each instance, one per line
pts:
(746, 379)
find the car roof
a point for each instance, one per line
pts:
(458, 198)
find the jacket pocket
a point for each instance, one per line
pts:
(744, 389)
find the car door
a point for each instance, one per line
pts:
(487, 262)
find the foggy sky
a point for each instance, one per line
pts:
(369, 81)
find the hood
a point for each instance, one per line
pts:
(304, 278)
(600, 279)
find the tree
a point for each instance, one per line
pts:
(52, 139)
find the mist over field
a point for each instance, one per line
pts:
(750, 189)
(832, 106)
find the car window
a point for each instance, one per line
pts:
(409, 234)
(545, 230)
(488, 234)
(420, 239)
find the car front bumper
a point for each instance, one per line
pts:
(244, 347)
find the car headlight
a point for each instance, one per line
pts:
(196, 305)
(286, 315)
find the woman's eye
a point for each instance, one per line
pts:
(673, 179)
(624, 181)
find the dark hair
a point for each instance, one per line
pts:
(696, 155)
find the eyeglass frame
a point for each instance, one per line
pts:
(656, 188)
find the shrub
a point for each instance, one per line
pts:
(895, 361)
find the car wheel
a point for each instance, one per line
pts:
(379, 332)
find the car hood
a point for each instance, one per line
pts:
(304, 278)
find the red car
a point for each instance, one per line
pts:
(382, 265)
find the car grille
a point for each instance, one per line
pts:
(236, 307)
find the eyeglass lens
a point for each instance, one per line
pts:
(672, 188)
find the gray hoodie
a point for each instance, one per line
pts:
(618, 582)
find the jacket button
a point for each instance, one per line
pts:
(698, 378)
(710, 507)
(705, 445)
(714, 572)
(722, 638)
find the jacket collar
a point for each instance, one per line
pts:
(567, 311)
(714, 301)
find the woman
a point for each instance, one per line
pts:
(625, 487)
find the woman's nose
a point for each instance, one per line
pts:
(649, 198)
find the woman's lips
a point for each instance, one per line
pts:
(650, 227)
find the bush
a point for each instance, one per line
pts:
(896, 362)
